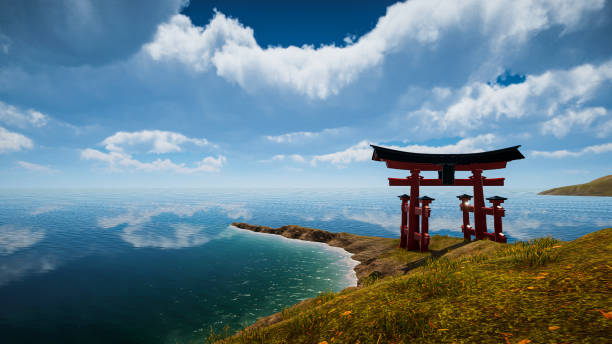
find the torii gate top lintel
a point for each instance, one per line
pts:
(504, 154)
(446, 164)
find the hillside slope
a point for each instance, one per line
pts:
(598, 187)
(544, 291)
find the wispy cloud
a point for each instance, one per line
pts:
(36, 167)
(563, 153)
(281, 157)
(300, 136)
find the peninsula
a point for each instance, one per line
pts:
(378, 257)
(598, 187)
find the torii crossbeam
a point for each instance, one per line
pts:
(446, 165)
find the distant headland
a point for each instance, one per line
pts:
(598, 187)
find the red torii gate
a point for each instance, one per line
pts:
(446, 165)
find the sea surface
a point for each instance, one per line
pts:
(165, 266)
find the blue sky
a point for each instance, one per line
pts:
(286, 94)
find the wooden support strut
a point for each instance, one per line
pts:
(425, 213)
(403, 228)
(498, 212)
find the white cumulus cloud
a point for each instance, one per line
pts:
(557, 96)
(117, 161)
(562, 124)
(12, 142)
(157, 142)
(232, 50)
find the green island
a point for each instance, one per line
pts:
(540, 291)
(598, 187)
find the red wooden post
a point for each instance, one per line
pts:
(498, 213)
(480, 220)
(413, 218)
(425, 213)
(466, 208)
(403, 229)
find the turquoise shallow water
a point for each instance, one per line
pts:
(161, 266)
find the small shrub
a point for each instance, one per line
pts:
(532, 253)
(372, 278)
(214, 336)
(325, 296)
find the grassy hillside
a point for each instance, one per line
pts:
(598, 187)
(543, 291)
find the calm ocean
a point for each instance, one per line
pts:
(163, 266)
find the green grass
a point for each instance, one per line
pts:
(543, 290)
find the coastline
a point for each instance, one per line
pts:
(378, 257)
(345, 257)
(363, 250)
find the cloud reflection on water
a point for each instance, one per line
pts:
(138, 217)
(143, 231)
(13, 238)
(13, 268)
(184, 235)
